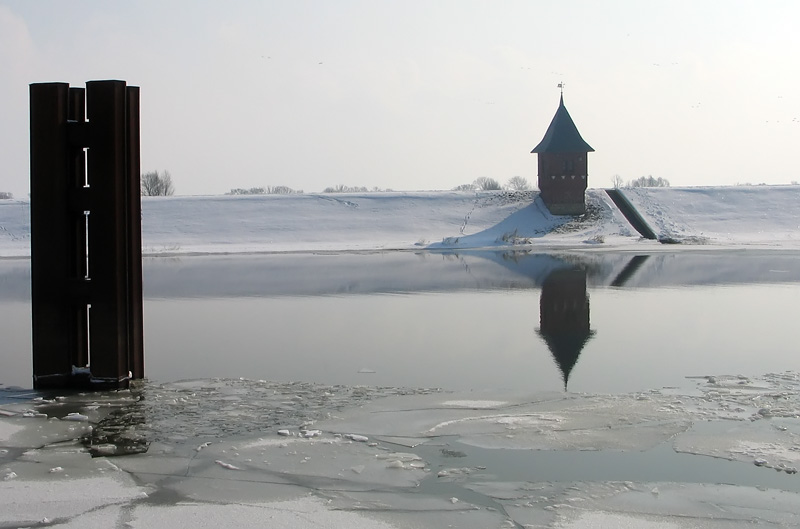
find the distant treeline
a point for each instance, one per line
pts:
(341, 188)
(484, 183)
(642, 181)
(269, 190)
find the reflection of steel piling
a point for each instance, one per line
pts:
(86, 257)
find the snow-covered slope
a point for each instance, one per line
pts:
(723, 216)
(752, 215)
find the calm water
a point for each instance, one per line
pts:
(601, 322)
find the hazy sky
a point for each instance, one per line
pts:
(421, 95)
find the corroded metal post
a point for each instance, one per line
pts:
(134, 237)
(86, 235)
(54, 341)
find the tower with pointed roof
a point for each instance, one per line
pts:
(563, 165)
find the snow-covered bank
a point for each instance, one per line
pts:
(723, 216)
(751, 215)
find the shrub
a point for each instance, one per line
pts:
(269, 190)
(251, 191)
(484, 183)
(465, 187)
(155, 184)
(517, 183)
(649, 181)
(341, 188)
(282, 190)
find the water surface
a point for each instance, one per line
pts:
(593, 322)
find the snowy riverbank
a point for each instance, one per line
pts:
(763, 216)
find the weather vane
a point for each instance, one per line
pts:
(561, 86)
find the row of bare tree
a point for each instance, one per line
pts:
(642, 181)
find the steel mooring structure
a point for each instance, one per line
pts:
(86, 250)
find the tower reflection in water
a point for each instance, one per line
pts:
(564, 317)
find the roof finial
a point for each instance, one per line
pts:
(561, 86)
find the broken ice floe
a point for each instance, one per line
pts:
(308, 434)
(546, 422)
(370, 448)
(474, 403)
(580, 505)
(28, 502)
(745, 419)
(77, 417)
(320, 459)
(228, 466)
(183, 412)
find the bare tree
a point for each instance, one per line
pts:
(155, 184)
(341, 188)
(617, 181)
(280, 190)
(484, 183)
(649, 181)
(517, 183)
(251, 191)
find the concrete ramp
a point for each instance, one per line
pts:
(633, 216)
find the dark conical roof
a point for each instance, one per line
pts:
(562, 135)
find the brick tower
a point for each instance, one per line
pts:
(563, 165)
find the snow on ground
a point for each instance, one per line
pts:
(753, 215)
(762, 215)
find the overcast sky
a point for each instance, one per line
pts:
(421, 95)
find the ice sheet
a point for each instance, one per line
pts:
(302, 512)
(25, 501)
(382, 457)
(563, 422)
(7, 430)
